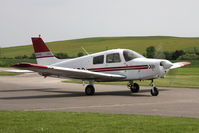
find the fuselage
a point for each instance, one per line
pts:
(119, 61)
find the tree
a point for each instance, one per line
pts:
(61, 55)
(159, 55)
(177, 54)
(80, 54)
(32, 56)
(189, 56)
(0, 52)
(168, 55)
(150, 52)
(196, 50)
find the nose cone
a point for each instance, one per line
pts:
(166, 64)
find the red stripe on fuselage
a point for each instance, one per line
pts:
(119, 68)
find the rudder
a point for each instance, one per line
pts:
(42, 53)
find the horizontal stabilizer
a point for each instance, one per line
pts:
(18, 71)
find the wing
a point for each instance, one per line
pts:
(179, 64)
(69, 72)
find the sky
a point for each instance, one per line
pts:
(59, 20)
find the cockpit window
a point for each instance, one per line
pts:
(129, 55)
(113, 58)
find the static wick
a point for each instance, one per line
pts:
(39, 36)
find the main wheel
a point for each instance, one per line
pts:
(135, 88)
(154, 91)
(89, 90)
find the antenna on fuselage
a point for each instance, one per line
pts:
(85, 50)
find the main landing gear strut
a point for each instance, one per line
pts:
(134, 87)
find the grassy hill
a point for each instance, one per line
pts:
(92, 45)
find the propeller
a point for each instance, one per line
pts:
(166, 66)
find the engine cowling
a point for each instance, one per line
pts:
(164, 68)
(166, 64)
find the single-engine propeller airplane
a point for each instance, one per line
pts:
(110, 65)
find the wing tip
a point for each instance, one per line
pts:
(186, 63)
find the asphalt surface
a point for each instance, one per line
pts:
(31, 92)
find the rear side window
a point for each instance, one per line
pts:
(113, 58)
(98, 59)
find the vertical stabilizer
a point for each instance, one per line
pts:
(42, 53)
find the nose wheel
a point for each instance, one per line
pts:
(154, 90)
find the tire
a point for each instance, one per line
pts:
(154, 91)
(135, 88)
(89, 90)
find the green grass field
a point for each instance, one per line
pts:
(10, 62)
(9, 74)
(63, 122)
(92, 45)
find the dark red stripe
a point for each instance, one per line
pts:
(119, 68)
(45, 56)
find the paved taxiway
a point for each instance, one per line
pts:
(34, 93)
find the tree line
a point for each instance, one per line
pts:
(190, 54)
(58, 55)
(151, 52)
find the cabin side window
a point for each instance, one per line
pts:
(98, 59)
(113, 58)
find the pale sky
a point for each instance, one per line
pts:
(59, 20)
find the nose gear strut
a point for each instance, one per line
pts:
(154, 90)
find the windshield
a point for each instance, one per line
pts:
(129, 55)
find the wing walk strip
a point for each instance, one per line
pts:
(120, 68)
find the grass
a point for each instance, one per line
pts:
(9, 73)
(92, 45)
(182, 77)
(62, 122)
(10, 62)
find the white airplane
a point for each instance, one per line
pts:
(110, 65)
